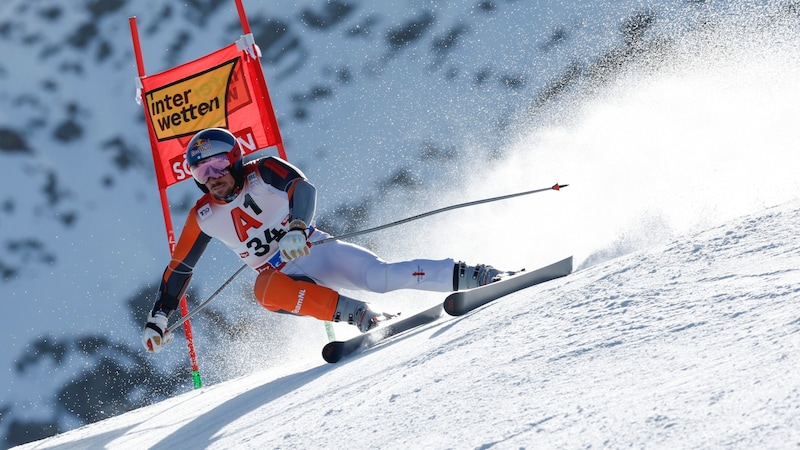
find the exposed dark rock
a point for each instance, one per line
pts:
(12, 141)
(329, 15)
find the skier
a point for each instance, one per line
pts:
(264, 212)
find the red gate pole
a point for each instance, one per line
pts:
(187, 327)
(261, 81)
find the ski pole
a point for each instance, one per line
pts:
(555, 187)
(200, 307)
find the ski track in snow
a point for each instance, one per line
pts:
(693, 344)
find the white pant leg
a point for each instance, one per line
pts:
(342, 265)
(420, 274)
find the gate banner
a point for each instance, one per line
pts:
(223, 89)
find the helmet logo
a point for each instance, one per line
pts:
(200, 146)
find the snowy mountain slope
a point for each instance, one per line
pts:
(89, 223)
(693, 344)
(686, 126)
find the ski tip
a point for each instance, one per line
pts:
(557, 187)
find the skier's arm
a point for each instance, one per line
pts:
(302, 201)
(191, 245)
(288, 178)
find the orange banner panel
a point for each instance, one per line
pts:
(221, 89)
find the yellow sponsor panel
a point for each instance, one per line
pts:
(192, 104)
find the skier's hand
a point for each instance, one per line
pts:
(294, 243)
(153, 336)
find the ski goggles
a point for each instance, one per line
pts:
(211, 167)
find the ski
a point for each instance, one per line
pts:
(336, 350)
(462, 302)
(456, 304)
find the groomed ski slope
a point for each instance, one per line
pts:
(694, 344)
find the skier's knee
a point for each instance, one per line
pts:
(276, 291)
(377, 279)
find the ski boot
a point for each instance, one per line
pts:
(358, 313)
(468, 277)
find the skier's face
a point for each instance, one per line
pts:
(222, 186)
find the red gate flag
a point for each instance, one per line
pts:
(223, 89)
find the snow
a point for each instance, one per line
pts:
(692, 344)
(663, 337)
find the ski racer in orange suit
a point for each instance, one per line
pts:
(263, 210)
